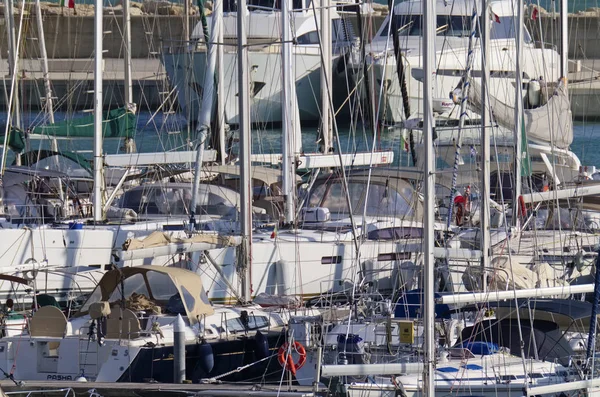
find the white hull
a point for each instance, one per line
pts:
(452, 63)
(265, 83)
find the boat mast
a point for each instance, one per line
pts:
(429, 18)
(12, 57)
(205, 108)
(127, 60)
(564, 38)
(220, 90)
(518, 114)
(244, 260)
(44, 62)
(485, 142)
(98, 182)
(326, 43)
(288, 115)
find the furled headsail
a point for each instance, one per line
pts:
(549, 123)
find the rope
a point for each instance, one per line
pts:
(238, 369)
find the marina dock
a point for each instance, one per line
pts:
(59, 388)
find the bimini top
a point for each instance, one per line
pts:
(161, 285)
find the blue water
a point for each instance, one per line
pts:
(161, 133)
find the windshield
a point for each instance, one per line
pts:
(381, 200)
(453, 26)
(169, 200)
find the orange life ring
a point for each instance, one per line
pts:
(286, 359)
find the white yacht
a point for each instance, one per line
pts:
(454, 23)
(264, 39)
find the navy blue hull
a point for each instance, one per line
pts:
(156, 363)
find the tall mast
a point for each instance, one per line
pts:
(288, 115)
(205, 107)
(429, 18)
(98, 182)
(220, 84)
(485, 141)
(127, 58)
(12, 58)
(245, 142)
(44, 62)
(326, 43)
(564, 38)
(518, 110)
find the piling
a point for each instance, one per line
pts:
(179, 350)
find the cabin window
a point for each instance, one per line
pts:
(161, 286)
(396, 233)
(336, 199)
(382, 200)
(230, 6)
(260, 3)
(135, 283)
(189, 300)
(308, 38)
(454, 26)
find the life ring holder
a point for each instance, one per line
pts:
(286, 359)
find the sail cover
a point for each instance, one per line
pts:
(547, 124)
(116, 123)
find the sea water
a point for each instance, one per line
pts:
(160, 133)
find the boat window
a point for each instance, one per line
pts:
(454, 26)
(234, 325)
(261, 3)
(161, 286)
(230, 6)
(385, 201)
(173, 201)
(563, 219)
(505, 29)
(189, 300)
(308, 38)
(396, 233)
(96, 296)
(316, 196)
(134, 284)
(335, 199)
(382, 200)
(256, 322)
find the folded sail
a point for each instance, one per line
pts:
(547, 124)
(116, 123)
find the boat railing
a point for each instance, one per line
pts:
(47, 392)
(545, 46)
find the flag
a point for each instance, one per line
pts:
(534, 13)
(403, 142)
(496, 17)
(70, 3)
(274, 234)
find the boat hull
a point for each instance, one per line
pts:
(265, 83)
